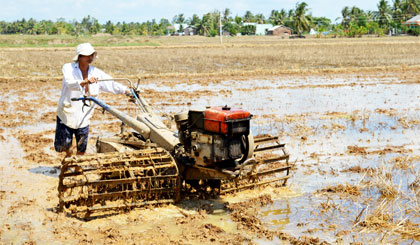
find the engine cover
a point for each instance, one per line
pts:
(209, 149)
(217, 136)
(226, 120)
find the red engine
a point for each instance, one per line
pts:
(216, 136)
(225, 120)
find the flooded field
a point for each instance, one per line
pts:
(354, 142)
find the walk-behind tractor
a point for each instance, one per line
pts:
(213, 151)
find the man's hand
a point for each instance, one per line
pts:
(87, 81)
(129, 94)
(93, 80)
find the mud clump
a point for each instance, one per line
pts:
(356, 150)
(211, 233)
(200, 215)
(383, 221)
(346, 189)
(245, 215)
(388, 149)
(405, 162)
(32, 145)
(41, 157)
(48, 117)
(205, 232)
(358, 169)
(33, 142)
(415, 184)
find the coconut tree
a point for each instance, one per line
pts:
(278, 17)
(355, 12)
(397, 14)
(289, 22)
(411, 7)
(383, 16)
(397, 9)
(238, 20)
(194, 20)
(301, 20)
(226, 15)
(345, 13)
(179, 19)
(249, 17)
(370, 15)
(260, 18)
(282, 17)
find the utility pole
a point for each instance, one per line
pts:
(220, 27)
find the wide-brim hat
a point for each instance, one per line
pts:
(84, 49)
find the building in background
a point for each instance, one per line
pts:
(279, 31)
(190, 31)
(413, 22)
(260, 29)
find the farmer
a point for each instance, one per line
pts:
(80, 78)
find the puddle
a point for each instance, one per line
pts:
(363, 124)
(37, 127)
(47, 171)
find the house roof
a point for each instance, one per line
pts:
(275, 27)
(190, 28)
(413, 21)
(259, 28)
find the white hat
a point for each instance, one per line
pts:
(83, 49)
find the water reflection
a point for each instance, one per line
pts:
(46, 170)
(278, 215)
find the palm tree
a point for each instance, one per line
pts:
(289, 21)
(226, 15)
(209, 24)
(397, 14)
(301, 20)
(384, 14)
(355, 12)
(180, 19)
(411, 7)
(205, 25)
(278, 18)
(370, 15)
(273, 16)
(397, 9)
(259, 18)
(238, 20)
(345, 12)
(194, 20)
(249, 17)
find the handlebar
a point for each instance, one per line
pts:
(118, 79)
(138, 100)
(98, 102)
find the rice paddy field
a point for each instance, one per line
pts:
(347, 109)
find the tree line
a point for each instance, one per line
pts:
(388, 18)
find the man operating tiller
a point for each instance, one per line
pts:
(80, 79)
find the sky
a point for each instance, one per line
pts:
(140, 10)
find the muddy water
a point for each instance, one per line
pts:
(318, 118)
(376, 114)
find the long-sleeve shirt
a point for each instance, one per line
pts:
(70, 112)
